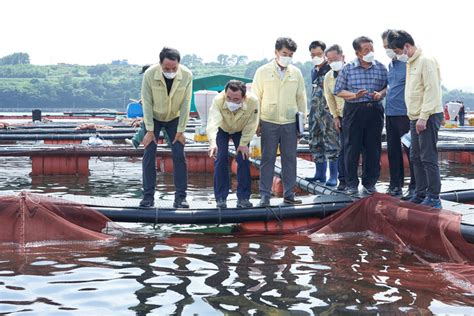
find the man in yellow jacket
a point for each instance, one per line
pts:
(335, 58)
(166, 97)
(233, 115)
(279, 87)
(424, 105)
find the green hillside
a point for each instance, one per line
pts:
(24, 86)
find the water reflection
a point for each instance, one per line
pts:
(169, 271)
(209, 274)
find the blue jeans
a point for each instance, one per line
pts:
(221, 168)
(180, 171)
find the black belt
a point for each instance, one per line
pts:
(366, 104)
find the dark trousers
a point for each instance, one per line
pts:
(340, 159)
(462, 117)
(424, 156)
(221, 168)
(396, 127)
(180, 171)
(362, 128)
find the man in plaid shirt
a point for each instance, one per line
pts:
(362, 83)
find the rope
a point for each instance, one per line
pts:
(30, 198)
(157, 216)
(274, 214)
(220, 216)
(456, 195)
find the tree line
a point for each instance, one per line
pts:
(24, 86)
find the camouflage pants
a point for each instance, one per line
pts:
(324, 143)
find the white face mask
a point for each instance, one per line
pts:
(369, 57)
(390, 53)
(233, 106)
(169, 75)
(336, 65)
(318, 60)
(402, 57)
(284, 61)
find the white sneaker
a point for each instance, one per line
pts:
(130, 142)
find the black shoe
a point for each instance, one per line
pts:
(264, 201)
(369, 190)
(409, 194)
(395, 191)
(147, 203)
(180, 203)
(351, 190)
(244, 203)
(341, 187)
(221, 203)
(291, 200)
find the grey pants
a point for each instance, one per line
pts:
(424, 156)
(272, 135)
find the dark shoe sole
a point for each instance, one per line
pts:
(417, 201)
(351, 192)
(244, 206)
(176, 205)
(146, 205)
(293, 202)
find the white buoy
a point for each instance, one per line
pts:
(203, 101)
(453, 110)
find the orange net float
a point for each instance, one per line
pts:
(254, 171)
(286, 226)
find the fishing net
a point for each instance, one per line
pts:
(432, 235)
(28, 218)
(410, 226)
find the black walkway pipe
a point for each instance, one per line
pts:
(459, 196)
(235, 216)
(218, 216)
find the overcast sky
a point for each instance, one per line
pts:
(99, 31)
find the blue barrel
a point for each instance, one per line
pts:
(134, 109)
(36, 115)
